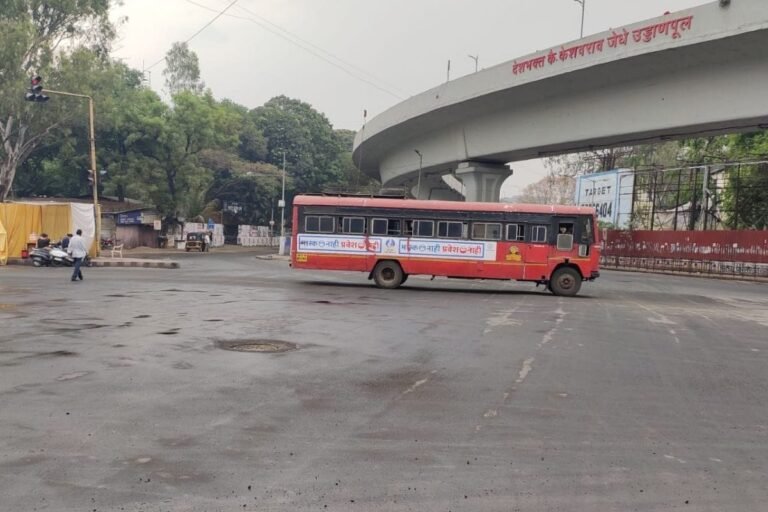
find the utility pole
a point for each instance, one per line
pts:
(448, 72)
(583, 6)
(418, 184)
(281, 204)
(94, 173)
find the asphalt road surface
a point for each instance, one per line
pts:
(645, 393)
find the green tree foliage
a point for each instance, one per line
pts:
(307, 139)
(33, 35)
(188, 156)
(182, 70)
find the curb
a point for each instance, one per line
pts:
(135, 263)
(117, 262)
(275, 257)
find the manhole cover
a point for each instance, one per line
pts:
(270, 346)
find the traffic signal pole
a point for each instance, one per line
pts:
(94, 171)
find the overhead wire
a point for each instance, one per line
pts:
(219, 15)
(348, 68)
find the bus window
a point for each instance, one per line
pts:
(584, 232)
(539, 234)
(516, 232)
(407, 228)
(353, 225)
(379, 226)
(446, 229)
(424, 228)
(486, 231)
(318, 224)
(393, 227)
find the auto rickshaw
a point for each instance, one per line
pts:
(195, 241)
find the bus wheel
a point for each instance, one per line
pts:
(565, 281)
(388, 274)
(405, 278)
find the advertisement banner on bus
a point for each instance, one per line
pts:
(609, 193)
(412, 247)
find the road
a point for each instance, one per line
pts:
(645, 393)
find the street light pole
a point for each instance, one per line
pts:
(281, 204)
(583, 6)
(94, 170)
(418, 185)
(475, 58)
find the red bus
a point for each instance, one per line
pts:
(391, 239)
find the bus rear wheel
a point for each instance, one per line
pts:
(565, 281)
(388, 274)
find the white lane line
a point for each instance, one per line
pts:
(525, 370)
(550, 334)
(415, 385)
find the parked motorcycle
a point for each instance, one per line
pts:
(107, 243)
(41, 257)
(60, 258)
(54, 256)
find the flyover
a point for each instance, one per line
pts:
(694, 72)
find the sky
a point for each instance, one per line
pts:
(347, 56)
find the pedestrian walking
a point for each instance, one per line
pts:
(78, 251)
(206, 242)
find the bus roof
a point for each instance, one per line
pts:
(420, 204)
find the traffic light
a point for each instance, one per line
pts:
(35, 91)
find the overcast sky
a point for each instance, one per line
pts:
(382, 51)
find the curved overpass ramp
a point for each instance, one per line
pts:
(694, 72)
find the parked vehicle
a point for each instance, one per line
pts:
(107, 243)
(54, 256)
(60, 258)
(195, 241)
(41, 257)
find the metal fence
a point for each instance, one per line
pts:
(740, 254)
(730, 195)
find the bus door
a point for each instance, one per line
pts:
(536, 256)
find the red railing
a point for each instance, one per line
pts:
(736, 253)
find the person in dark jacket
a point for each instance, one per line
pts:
(65, 241)
(43, 241)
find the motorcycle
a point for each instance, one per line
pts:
(107, 243)
(60, 258)
(54, 256)
(41, 257)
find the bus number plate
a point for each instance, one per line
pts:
(301, 257)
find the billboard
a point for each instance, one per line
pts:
(610, 193)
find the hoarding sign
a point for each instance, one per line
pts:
(609, 193)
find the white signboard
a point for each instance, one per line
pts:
(609, 193)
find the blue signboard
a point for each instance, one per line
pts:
(211, 225)
(131, 218)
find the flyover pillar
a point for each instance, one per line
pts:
(482, 182)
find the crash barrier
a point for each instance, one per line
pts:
(737, 254)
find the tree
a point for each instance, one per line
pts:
(32, 35)
(182, 70)
(553, 189)
(307, 139)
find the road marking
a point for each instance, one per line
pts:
(525, 370)
(502, 319)
(491, 413)
(415, 385)
(673, 333)
(549, 335)
(672, 457)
